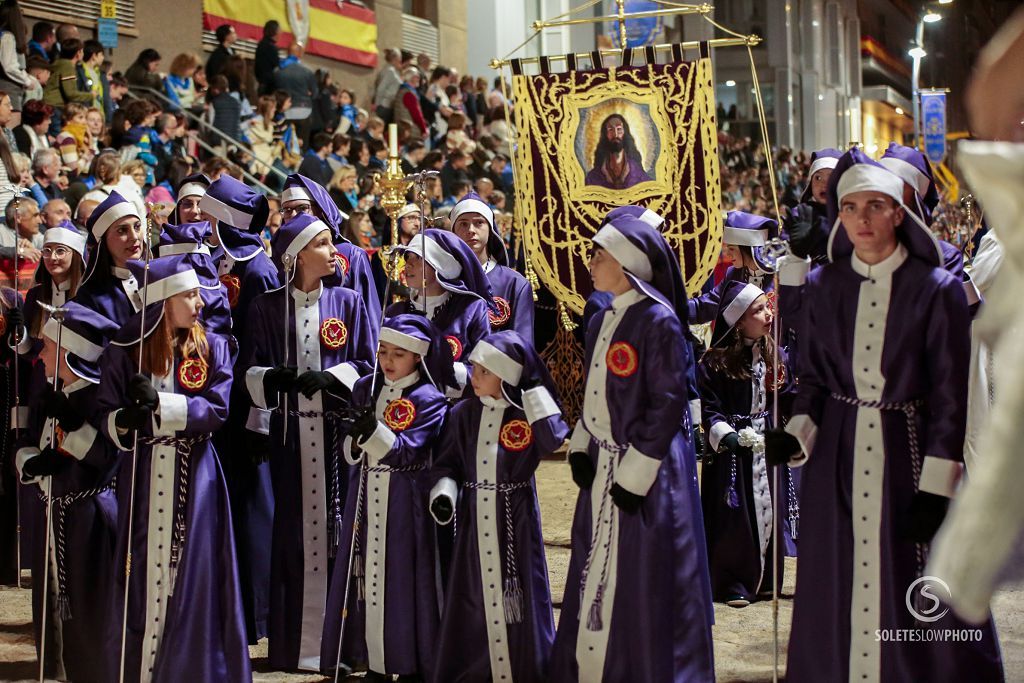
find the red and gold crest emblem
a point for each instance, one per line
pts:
(343, 264)
(399, 414)
(333, 333)
(501, 313)
(233, 287)
(192, 374)
(770, 296)
(60, 435)
(516, 436)
(456, 347)
(622, 359)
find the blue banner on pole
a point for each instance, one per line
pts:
(639, 32)
(106, 32)
(933, 117)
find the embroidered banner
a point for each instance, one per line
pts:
(589, 141)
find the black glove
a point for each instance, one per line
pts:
(627, 501)
(780, 447)
(313, 381)
(141, 391)
(364, 425)
(133, 417)
(47, 463)
(925, 516)
(279, 379)
(15, 321)
(257, 447)
(531, 383)
(730, 443)
(57, 405)
(800, 228)
(582, 469)
(442, 509)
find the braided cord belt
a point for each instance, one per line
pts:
(732, 498)
(910, 410)
(183, 451)
(513, 590)
(60, 506)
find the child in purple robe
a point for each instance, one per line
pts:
(184, 611)
(60, 274)
(807, 227)
(392, 591)
(737, 384)
(497, 623)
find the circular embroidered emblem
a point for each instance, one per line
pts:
(343, 264)
(192, 374)
(456, 347)
(333, 333)
(501, 313)
(60, 435)
(233, 287)
(777, 380)
(399, 414)
(516, 436)
(621, 359)
(770, 296)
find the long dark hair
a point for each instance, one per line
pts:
(628, 144)
(45, 281)
(732, 357)
(12, 20)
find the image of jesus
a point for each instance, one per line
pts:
(617, 161)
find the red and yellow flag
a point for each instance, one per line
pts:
(337, 30)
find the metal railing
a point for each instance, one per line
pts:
(138, 90)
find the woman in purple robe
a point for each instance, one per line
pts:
(497, 623)
(116, 236)
(393, 589)
(879, 420)
(78, 474)
(189, 240)
(330, 342)
(59, 277)
(184, 616)
(637, 600)
(737, 385)
(473, 221)
(450, 286)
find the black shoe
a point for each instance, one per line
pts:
(737, 600)
(374, 677)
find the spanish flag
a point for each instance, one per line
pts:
(337, 30)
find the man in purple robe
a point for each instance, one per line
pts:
(617, 161)
(879, 421)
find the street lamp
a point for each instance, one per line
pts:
(917, 51)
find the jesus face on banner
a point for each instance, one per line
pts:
(617, 161)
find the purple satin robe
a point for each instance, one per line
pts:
(197, 632)
(108, 297)
(358, 277)
(704, 308)
(513, 299)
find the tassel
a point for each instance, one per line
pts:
(513, 599)
(358, 573)
(731, 498)
(594, 621)
(173, 578)
(333, 535)
(63, 607)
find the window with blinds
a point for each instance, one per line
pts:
(246, 48)
(77, 11)
(419, 35)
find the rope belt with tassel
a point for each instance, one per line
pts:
(731, 496)
(512, 596)
(60, 508)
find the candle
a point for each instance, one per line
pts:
(393, 139)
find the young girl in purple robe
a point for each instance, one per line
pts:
(737, 383)
(497, 623)
(392, 593)
(59, 277)
(184, 617)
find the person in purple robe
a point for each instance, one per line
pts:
(77, 473)
(637, 601)
(617, 161)
(330, 343)
(737, 384)
(497, 623)
(60, 274)
(878, 426)
(807, 227)
(302, 195)
(117, 235)
(450, 286)
(473, 221)
(184, 612)
(237, 215)
(190, 193)
(393, 588)
(190, 240)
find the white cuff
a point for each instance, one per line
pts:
(973, 295)
(350, 456)
(446, 487)
(345, 373)
(793, 270)
(539, 404)
(254, 383)
(173, 411)
(19, 417)
(719, 431)
(636, 472)
(461, 374)
(115, 436)
(806, 432)
(24, 455)
(379, 444)
(940, 476)
(580, 440)
(695, 412)
(77, 443)
(258, 420)
(25, 345)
